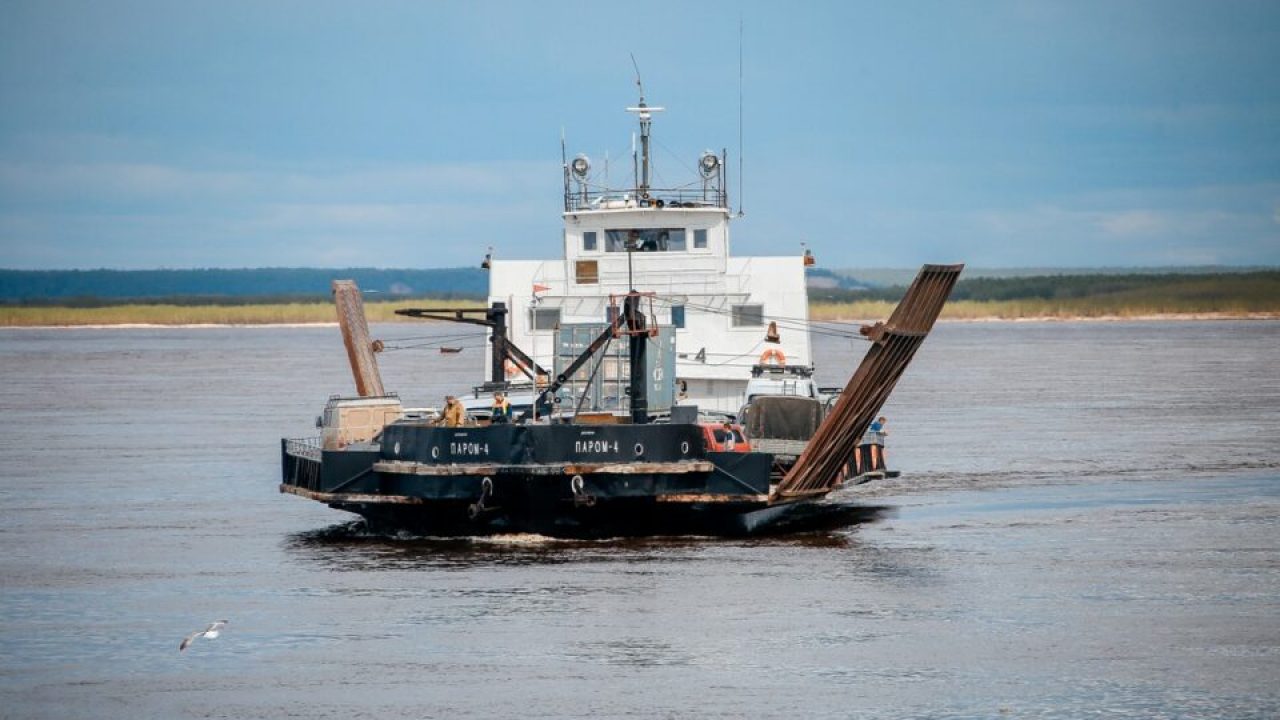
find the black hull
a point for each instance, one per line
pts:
(615, 519)
(636, 517)
(572, 482)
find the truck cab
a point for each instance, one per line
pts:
(724, 437)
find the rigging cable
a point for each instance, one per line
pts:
(782, 321)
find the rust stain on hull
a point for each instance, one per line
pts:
(325, 497)
(404, 467)
(367, 498)
(711, 498)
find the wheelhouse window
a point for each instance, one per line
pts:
(589, 240)
(544, 318)
(677, 315)
(645, 240)
(699, 239)
(748, 315)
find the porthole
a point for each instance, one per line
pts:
(435, 453)
(639, 449)
(684, 448)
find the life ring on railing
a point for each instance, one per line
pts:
(773, 356)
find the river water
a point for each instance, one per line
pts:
(1087, 525)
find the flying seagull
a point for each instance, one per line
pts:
(210, 633)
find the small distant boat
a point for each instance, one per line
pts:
(450, 350)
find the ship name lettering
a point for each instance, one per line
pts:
(469, 448)
(595, 446)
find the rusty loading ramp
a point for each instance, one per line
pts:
(894, 343)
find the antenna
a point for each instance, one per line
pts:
(564, 168)
(639, 85)
(742, 185)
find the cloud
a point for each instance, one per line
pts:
(1206, 225)
(123, 214)
(1134, 223)
(141, 182)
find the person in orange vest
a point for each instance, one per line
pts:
(501, 410)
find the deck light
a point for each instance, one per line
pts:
(709, 164)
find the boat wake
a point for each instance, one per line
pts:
(822, 523)
(930, 482)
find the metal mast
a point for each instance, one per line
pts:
(646, 117)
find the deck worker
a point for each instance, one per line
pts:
(872, 458)
(501, 410)
(877, 442)
(454, 415)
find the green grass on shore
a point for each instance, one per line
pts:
(1238, 295)
(301, 313)
(259, 314)
(1033, 309)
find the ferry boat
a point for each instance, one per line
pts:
(646, 330)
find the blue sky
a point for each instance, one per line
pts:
(414, 134)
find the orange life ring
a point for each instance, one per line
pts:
(773, 356)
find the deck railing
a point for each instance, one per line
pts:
(657, 198)
(302, 461)
(309, 447)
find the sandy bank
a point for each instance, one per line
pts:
(990, 319)
(162, 326)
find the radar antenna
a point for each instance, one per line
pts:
(742, 185)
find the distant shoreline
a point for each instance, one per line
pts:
(169, 326)
(1155, 317)
(1149, 317)
(1050, 299)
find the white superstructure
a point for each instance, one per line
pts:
(673, 243)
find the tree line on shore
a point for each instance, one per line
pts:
(222, 286)
(1256, 290)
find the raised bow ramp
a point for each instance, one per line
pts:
(355, 335)
(818, 469)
